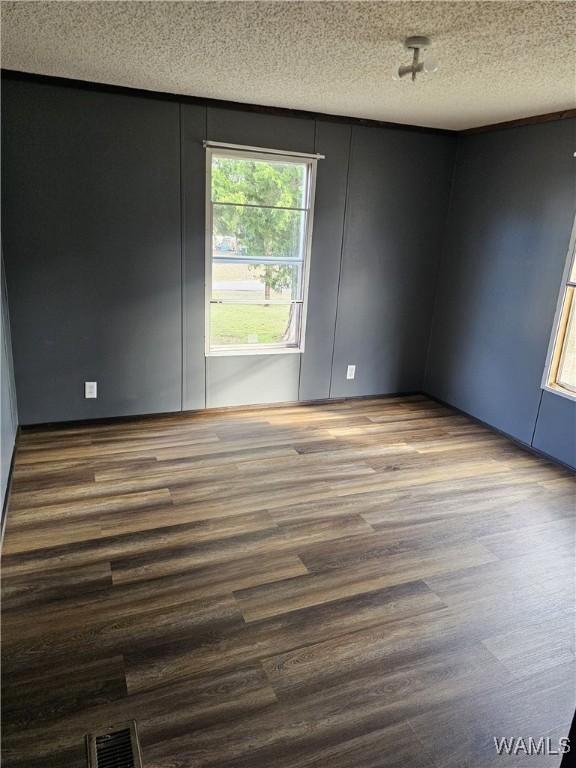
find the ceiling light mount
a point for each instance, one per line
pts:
(417, 41)
(417, 44)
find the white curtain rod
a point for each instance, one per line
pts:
(224, 145)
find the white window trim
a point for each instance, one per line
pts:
(553, 360)
(275, 156)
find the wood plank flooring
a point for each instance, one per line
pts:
(362, 584)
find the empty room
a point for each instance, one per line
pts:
(288, 384)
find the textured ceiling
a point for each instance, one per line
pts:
(498, 60)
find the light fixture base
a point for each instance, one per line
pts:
(417, 41)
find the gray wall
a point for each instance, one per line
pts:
(103, 227)
(374, 259)
(555, 432)
(333, 141)
(243, 380)
(511, 215)
(396, 211)
(104, 218)
(91, 238)
(8, 407)
(193, 177)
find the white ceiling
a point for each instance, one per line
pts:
(498, 60)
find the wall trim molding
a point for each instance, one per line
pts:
(176, 415)
(548, 117)
(68, 82)
(520, 443)
(88, 85)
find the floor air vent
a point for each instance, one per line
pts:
(118, 747)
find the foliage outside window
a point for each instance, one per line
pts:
(562, 368)
(260, 212)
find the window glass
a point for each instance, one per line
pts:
(257, 233)
(260, 211)
(561, 367)
(236, 325)
(259, 182)
(567, 368)
(243, 282)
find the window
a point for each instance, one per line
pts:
(259, 227)
(561, 368)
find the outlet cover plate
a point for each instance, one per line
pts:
(90, 389)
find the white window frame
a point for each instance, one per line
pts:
(234, 150)
(566, 306)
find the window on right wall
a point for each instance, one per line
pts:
(561, 368)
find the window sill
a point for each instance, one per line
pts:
(560, 392)
(254, 352)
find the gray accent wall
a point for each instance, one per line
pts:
(8, 405)
(254, 129)
(511, 215)
(193, 210)
(104, 231)
(104, 245)
(91, 238)
(333, 141)
(247, 379)
(396, 210)
(555, 432)
(377, 277)
(250, 379)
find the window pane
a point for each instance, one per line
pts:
(239, 324)
(567, 369)
(237, 281)
(257, 233)
(259, 182)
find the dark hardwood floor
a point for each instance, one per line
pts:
(365, 584)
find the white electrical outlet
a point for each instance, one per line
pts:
(90, 389)
(351, 372)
